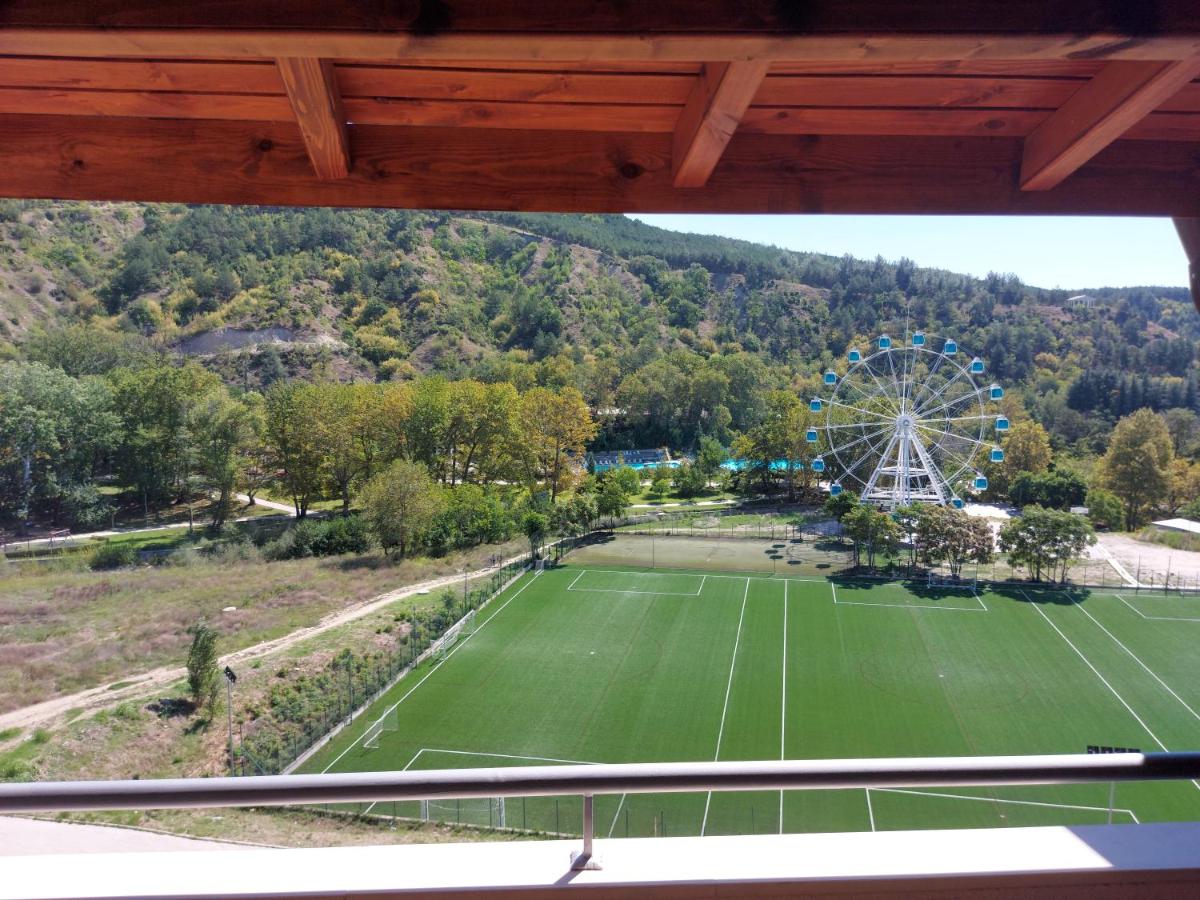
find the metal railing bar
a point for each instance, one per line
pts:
(548, 781)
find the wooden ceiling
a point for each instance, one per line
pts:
(824, 106)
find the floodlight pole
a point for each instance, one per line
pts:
(229, 716)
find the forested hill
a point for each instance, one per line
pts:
(668, 336)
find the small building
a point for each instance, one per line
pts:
(1186, 525)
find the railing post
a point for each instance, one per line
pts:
(586, 859)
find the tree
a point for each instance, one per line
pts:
(1026, 449)
(710, 456)
(1136, 466)
(613, 496)
(204, 679)
(399, 504)
(1058, 489)
(1184, 427)
(1105, 509)
(220, 428)
(837, 505)
(535, 525)
(553, 428)
(951, 536)
(660, 482)
(291, 410)
(1046, 541)
(871, 529)
(1183, 483)
(909, 518)
(689, 481)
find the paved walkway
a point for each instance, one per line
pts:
(34, 837)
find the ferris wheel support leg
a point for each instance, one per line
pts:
(934, 481)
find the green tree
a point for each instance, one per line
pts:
(203, 676)
(710, 456)
(951, 536)
(689, 481)
(1137, 465)
(838, 505)
(1026, 449)
(613, 497)
(220, 430)
(660, 482)
(553, 429)
(1046, 541)
(909, 519)
(872, 530)
(534, 524)
(290, 411)
(1105, 509)
(400, 503)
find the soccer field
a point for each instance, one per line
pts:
(592, 665)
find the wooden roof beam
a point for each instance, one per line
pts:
(1117, 98)
(312, 89)
(716, 105)
(1189, 236)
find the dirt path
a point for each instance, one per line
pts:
(138, 686)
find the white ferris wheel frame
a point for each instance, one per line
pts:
(914, 463)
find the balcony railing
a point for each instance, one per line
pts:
(592, 780)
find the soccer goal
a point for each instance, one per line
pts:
(454, 634)
(385, 724)
(941, 580)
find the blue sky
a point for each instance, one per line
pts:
(1074, 252)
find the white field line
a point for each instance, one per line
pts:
(1155, 618)
(1103, 809)
(1103, 680)
(407, 766)
(445, 659)
(570, 762)
(616, 816)
(728, 688)
(1135, 658)
(870, 809)
(588, 590)
(783, 704)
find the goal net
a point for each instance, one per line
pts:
(385, 724)
(454, 634)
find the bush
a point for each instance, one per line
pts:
(113, 556)
(331, 537)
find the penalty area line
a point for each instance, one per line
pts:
(429, 674)
(728, 689)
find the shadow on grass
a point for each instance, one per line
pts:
(171, 707)
(1059, 594)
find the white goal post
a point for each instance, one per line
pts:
(385, 724)
(459, 629)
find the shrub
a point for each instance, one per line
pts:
(315, 538)
(113, 556)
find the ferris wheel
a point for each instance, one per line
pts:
(908, 423)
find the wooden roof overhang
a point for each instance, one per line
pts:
(753, 106)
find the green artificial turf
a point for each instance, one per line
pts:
(603, 665)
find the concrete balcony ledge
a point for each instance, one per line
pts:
(1161, 860)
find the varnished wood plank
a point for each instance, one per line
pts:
(868, 44)
(909, 91)
(265, 163)
(1099, 113)
(716, 104)
(512, 86)
(1026, 68)
(241, 77)
(530, 116)
(146, 104)
(916, 122)
(1189, 236)
(312, 89)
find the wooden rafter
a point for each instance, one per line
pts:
(717, 103)
(1189, 236)
(1117, 98)
(311, 87)
(103, 158)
